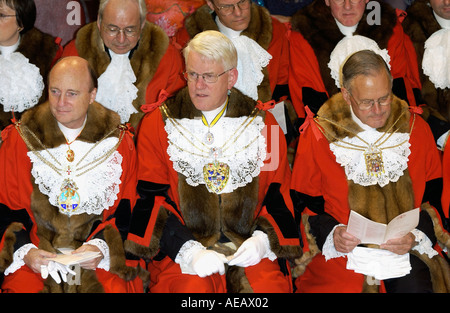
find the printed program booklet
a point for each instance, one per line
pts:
(369, 231)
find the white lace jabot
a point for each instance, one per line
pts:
(435, 63)
(394, 155)
(21, 83)
(252, 58)
(97, 188)
(116, 89)
(245, 156)
(346, 47)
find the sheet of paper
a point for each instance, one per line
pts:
(70, 259)
(369, 231)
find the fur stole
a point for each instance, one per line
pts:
(318, 27)
(145, 60)
(419, 25)
(260, 30)
(392, 200)
(58, 230)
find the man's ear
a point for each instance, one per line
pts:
(232, 77)
(210, 4)
(346, 95)
(93, 95)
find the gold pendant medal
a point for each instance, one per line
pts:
(374, 161)
(69, 199)
(216, 176)
(70, 155)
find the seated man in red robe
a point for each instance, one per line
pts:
(68, 183)
(214, 213)
(367, 152)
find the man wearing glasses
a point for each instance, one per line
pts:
(214, 213)
(132, 57)
(260, 41)
(367, 152)
(327, 31)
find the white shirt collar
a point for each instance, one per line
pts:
(346, 30)
(230, 33)
(70, 133)
(442, 21)
(359, 122)
(6, 50)
(210, 115)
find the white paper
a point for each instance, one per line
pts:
(76, 258)
(369, 231)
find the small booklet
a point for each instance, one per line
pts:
(67, 258)
(369, 231)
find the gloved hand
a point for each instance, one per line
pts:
(252, 250)
(55, 270)
(195, 259)
(207, 262)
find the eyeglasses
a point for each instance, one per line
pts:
(4, 16)
(228, 9)
(340, 2)
(207, 77)
(369, 103)
(113, 31)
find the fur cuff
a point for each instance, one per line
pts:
(6, 254)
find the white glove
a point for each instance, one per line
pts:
(55, 270)
(195, 259)
(252, 250)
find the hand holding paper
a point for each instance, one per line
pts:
(378, 233)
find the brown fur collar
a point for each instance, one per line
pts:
(338, 111)
(259, 29)
(394, 198)
(151, 48)
(318, 27)
(41, 122)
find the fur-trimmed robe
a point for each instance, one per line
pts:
(420, 24)
(155, 62)
(263, 203)
(322, 191)
(42, 50)
(27, 214)
(315, 35)
(269, 33)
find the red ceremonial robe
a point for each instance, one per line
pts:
(315, 34)
(26, 216)
(167, 200)
(320, 187)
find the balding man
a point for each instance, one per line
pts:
(132, 57)
(68, 183)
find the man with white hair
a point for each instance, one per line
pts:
(214, 213)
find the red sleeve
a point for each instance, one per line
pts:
(279, 50)
(168, 76)
(15, 169)
(304, 71)
(404, 62)
(70, 49)
(275, 203)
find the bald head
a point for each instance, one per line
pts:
(72, 88)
